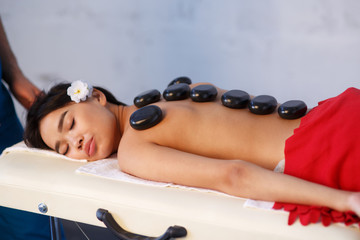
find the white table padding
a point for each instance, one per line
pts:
(27, 179)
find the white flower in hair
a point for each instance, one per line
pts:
(79, 91)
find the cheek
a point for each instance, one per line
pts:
(106, 123)
(106, 130)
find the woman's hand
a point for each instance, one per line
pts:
(24, 91)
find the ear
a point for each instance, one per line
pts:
(99, 96)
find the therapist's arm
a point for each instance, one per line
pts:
(23, 90)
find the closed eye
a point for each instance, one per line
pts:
(71, 127)
(67, 150)
(72, 124)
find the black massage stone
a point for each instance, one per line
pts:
(292, 109)
(262, 105)
(180, 80)
(176, 92)
(146, 117)
(147, 97)
(235, 99)
(203, 93)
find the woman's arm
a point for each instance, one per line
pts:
(234, 177)
(24, 91)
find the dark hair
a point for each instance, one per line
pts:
(46, 103)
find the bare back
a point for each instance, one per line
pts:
(212, 130)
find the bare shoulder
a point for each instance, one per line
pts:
(138, 154)
(130, 149)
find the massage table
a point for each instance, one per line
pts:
(50, 185)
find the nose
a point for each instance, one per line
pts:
(76, 141)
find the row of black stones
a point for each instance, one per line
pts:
(179, 89)
(175, 92)
(263, 104)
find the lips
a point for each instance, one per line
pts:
(90, 147)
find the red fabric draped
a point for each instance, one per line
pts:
(325, 149)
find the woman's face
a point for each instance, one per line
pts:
(85, 130)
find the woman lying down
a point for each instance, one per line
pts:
(197, 141)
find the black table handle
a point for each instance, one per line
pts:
(106, 217)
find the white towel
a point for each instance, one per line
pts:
(109, 168)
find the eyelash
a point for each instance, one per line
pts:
(67, 149)
(72, 124)
(71, 127)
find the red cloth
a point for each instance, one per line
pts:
(325, 149)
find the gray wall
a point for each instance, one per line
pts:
(300, 49)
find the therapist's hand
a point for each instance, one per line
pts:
(24, 91)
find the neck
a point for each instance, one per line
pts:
(122, 114)
(116, 110)
(120, 119)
